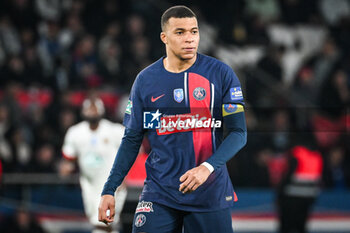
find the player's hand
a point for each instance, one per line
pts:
(193, 178)
(107, 204)
(65, 168)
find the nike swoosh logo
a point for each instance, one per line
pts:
(157, 98)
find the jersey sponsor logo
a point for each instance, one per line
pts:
(151, 120)
(178, 123)
(157, 98)
(228, 109)
(140, 220)
(236, 93)
(199, 93)
(179, 95)
(128, 107)
(228, 198)
(144, 206)
(186, 122)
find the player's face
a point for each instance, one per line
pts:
(91, 114)
(181, 36)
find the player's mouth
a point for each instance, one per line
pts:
(189, 49)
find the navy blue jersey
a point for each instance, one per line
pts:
(205, 92)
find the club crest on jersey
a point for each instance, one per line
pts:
(179, 95)
(144, 206)
(199, 93)
(140, 220)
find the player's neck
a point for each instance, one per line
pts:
(177, 65)
(93, 126)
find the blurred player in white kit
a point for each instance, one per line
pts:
(93, 143)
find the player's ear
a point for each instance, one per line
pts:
(163, 37)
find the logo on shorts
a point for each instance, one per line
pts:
(199, 93)
(144, 206)
(140, 220)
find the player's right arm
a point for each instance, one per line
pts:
(125, 158)
(69, 152)
(127, 152)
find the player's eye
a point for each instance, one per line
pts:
(179, 33)
(194, 32)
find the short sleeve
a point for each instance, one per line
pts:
(69, 148)
(232, 90)
(134, 110)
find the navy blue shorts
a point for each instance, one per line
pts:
(151, 217)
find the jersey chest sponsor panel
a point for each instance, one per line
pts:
(196, 93)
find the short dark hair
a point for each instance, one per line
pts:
(176, 12)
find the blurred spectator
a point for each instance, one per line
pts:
(49, 47)
(324, 62)
(260, 165)
(139, 51)
(336, 175)
(271, 64)
(67, 119)
(22, 222)
(110, 54)
(0, 172)
(303, 85)
(256, 31)
(334, 96)
(333, 13)
(22, 13)
(281, 130)
(299, 187)
(85, 63)
(14, 70)
(9, 38)
(97, 14)
(19, 151)
(28, 38)
(51, 9)
(33, 69)
(5, 123)
(298, 11)
(266, 10)
(44, 161)
(135, 26)
(71, 32)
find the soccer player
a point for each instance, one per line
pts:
(93, 143)
(181, 101)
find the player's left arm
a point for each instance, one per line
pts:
(235, 140)
(234, 119)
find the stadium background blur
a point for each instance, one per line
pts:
(291, 56)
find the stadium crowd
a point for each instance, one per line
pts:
(292, 57)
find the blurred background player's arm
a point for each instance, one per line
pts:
(125, 158)
(68, 165)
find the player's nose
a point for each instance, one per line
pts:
(189, 37)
